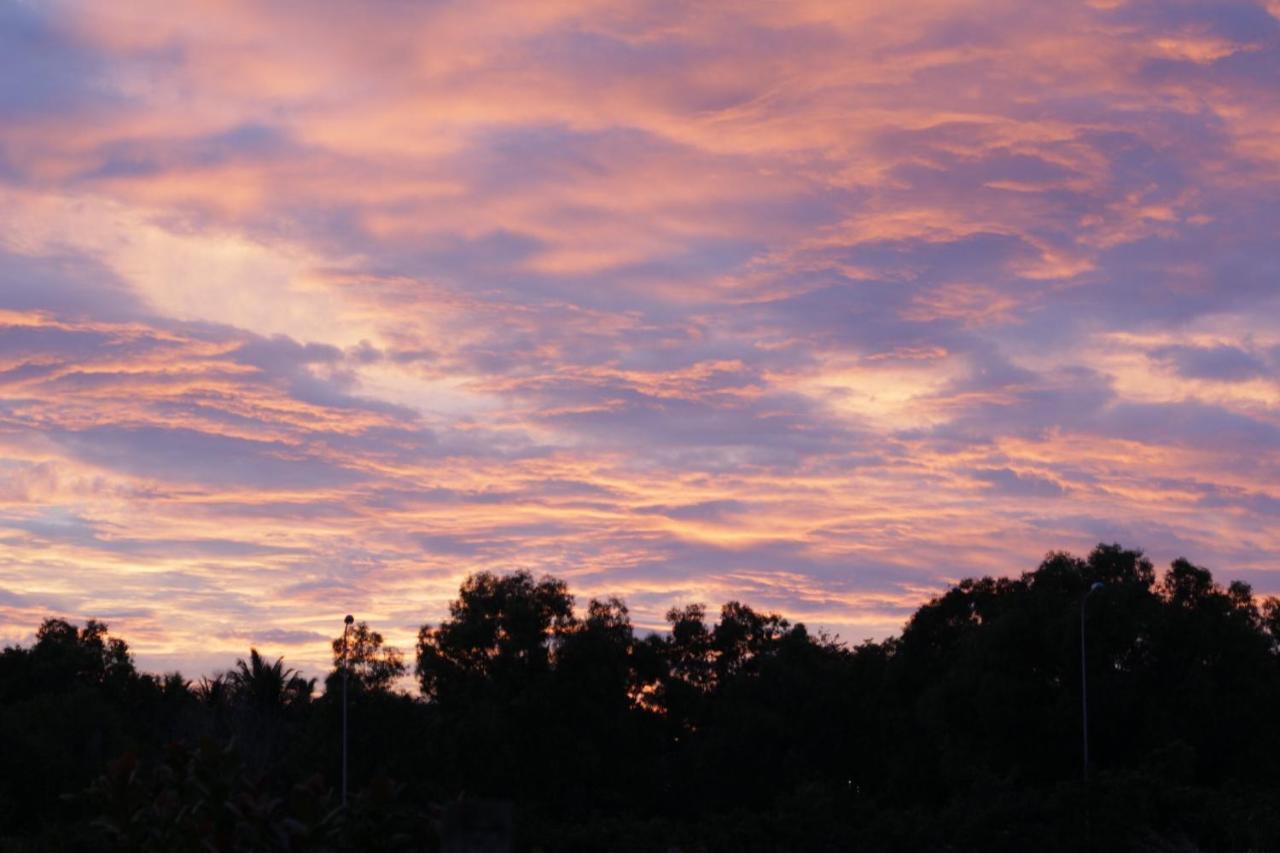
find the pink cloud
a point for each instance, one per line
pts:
(307, 310)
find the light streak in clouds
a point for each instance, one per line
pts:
(308, 309)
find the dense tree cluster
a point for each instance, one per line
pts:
(745, 732)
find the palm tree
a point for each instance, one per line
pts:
(214, 692)
(269, 688)
(174, 686)
(263, 695)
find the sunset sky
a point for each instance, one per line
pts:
(309, 308)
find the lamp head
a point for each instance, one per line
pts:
(1097, 585)
(349, 619)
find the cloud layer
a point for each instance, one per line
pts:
(308, 309)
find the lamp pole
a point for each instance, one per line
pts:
(346, 629)
(1084, 688)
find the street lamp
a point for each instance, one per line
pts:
(1084, 689)
(345, 631)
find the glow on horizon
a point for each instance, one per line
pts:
(307, 311)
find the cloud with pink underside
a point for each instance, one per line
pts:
(308, 309)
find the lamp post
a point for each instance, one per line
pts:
(1084, 689)
(346, 629)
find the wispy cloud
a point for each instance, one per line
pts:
(306, 312)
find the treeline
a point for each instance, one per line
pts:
(736, 732)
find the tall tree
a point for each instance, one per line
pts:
(501, 629)
(371, 665)
(269, 688)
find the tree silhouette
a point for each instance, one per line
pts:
(268, 702)
(746, 733)
(215, 691)
(269, 688)
(65, 655)
(743, 636)
(501, 629)
(370, 665)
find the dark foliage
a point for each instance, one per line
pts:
(746, 733)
